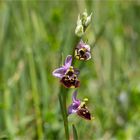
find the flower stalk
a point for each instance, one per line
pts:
(62, 102)
(68, 76)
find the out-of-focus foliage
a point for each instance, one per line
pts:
(35, 36)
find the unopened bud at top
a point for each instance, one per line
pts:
(82, 23)
(84, 17)
(88, 20)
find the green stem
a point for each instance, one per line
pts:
(62, 101)
(75, 136)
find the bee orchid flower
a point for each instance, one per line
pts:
(82, 51)
(68, 74)
(79, 107)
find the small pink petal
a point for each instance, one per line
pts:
(80, 44)
(60, 72)
(74, 98)
(72, 110)
(88, 55)
(87, 47)
(68, 61)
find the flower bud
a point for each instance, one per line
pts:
(82, 23)
(88, 20)
(79, 22)
(84, 17)
(79, 31)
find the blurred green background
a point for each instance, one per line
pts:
(35, 38)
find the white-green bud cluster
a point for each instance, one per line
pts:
(82, 23)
